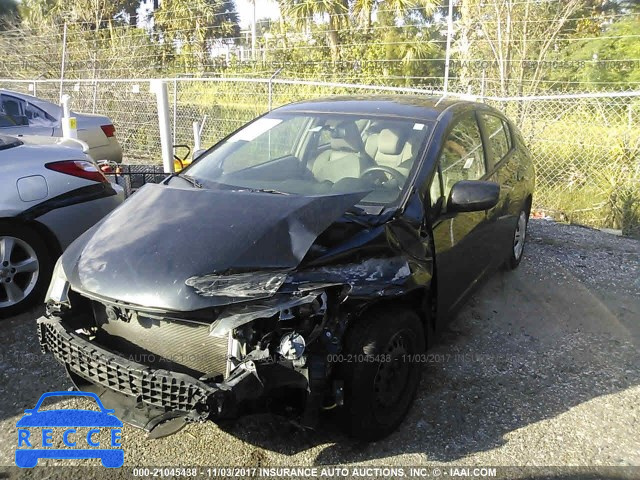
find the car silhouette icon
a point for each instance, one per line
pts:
(69, 419)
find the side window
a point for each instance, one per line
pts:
(497, 142)
(13, 108)
(37, 116)
(507, 130)
(435, 191)
(6, 121)
(462, 156)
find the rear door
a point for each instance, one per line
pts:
(460, 239)
(502, 168)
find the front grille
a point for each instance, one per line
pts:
(158, 388)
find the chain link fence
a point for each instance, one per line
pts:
(586, 148)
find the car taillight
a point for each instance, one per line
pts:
(109, 130)
(78, 168)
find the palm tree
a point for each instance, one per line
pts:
(8, 13)
(364, 9)
(304, 12)
(192, 25)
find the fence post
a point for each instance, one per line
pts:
(175, 109)
(69, 123)
(275, 74)
(196, 136)
(159, 88)
(64, 56)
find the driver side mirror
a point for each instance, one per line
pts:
(473, 196)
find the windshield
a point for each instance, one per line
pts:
(317, 154)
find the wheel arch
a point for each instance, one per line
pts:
(528, 202)
(419, 300)
(50, 240)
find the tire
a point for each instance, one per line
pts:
(518, 243)
(25, 268)
(378, 394)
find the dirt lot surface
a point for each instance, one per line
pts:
(541, 367)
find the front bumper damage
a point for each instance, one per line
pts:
(276, 350)
(158, 401)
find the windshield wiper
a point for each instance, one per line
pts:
(355, 210)
(266, 190)
(189, 179)
(358, 215)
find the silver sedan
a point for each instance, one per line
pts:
(49, 195)
(22, 114)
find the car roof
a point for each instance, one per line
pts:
(410, 106)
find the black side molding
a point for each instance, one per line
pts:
(79, 195)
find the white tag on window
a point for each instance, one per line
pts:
(468, 163)
(418, 126)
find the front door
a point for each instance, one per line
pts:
(461, 240)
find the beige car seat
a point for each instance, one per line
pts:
(391, 148)
(345, 158)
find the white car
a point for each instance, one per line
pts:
(22, 114)
(50, 193)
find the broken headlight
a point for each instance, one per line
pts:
(59, 287)
(241, 285)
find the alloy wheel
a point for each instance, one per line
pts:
(19, 268)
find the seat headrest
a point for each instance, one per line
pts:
(390, 142)
(346, 137)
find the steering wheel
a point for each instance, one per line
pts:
(392, 172)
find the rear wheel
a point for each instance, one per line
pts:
(519, 239)
(25, 268)
(381, 372)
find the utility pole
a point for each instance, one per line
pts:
(253, 32)
(448, 52)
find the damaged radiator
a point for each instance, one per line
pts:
(160, 343)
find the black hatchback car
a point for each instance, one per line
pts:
(307, 260)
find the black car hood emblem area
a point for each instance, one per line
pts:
(145, 251)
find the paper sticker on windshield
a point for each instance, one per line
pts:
(418, 126)
(468, 163)
(254, 130)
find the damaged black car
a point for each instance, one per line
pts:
(305, 261)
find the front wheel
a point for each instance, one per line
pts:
(381, 371)
(519, 238)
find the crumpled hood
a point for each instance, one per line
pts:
(145, 250)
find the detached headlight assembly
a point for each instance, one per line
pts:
(59, 287)
(241, 285)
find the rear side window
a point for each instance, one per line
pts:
(462, 155)
(38, 117)
(497, 139)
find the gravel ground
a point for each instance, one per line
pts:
(541, 367)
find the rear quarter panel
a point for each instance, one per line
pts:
(29, 160)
